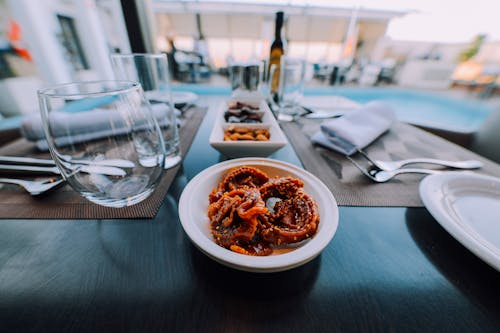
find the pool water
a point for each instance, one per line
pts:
(426, 108)
(416, 107)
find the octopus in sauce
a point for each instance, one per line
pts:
(236, 178)
(294, 216)
(251, 214)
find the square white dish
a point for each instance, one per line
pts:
(246, 148)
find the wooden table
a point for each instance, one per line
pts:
(387, 269)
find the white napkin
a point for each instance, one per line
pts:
(356, 129)
(82, 127)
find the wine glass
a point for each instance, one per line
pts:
(151, 71)
(105, 138)
(290, 76)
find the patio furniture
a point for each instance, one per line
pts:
(19, 95)
(486, 140)
(189, 66)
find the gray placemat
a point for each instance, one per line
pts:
(67, 204)
(402, 141)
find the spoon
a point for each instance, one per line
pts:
(35, 187)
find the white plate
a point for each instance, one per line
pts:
(330, 104)
(181, 98)
(248, 148)
(467, 205)
(193, 206)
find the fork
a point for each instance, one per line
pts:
(35, 187)
(381, 176)
(394, 165)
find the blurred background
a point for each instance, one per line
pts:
(447, 46)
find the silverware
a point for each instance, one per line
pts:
(394, 165)
(382, 176)
(323, 115)
(119, 163)
(98, 169)
(320, 113)
(35, 187)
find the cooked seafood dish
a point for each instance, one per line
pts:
(251, 213)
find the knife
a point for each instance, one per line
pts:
(99, 169)
(321, 113)
(119, 163)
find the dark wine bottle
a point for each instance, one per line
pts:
(277, 50)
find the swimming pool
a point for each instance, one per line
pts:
(416, 107)
(425, 108)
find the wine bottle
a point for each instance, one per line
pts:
(277, 50)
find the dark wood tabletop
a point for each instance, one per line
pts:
(386, 270)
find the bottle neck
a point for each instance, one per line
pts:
(198, 26)
(277, 33)
(279, 25)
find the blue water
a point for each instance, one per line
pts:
(412, 106)
(426, 108)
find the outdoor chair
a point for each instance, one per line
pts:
(486, 141)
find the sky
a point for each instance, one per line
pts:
(447, 20)
(450, 21)
(437, 20)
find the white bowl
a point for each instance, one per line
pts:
(193, 206)
(247, 148)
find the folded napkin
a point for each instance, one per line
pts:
(356, 129)
(83, 127)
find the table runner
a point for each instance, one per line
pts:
(402, 141)
(68, 204)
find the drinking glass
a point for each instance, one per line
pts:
(105, 139)
(246, 80)
(151, 71)
(291, 72)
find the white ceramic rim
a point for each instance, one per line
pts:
(248, 148)
(433, 192)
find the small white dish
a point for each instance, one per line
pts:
(193, 206)
(233, 149)
(181, 98)
(467, 205)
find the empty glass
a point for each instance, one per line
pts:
(290, 88)
(246, 80)
(151, 71)
(105, 138)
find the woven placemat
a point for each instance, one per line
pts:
(402, 141)
(67, 204)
